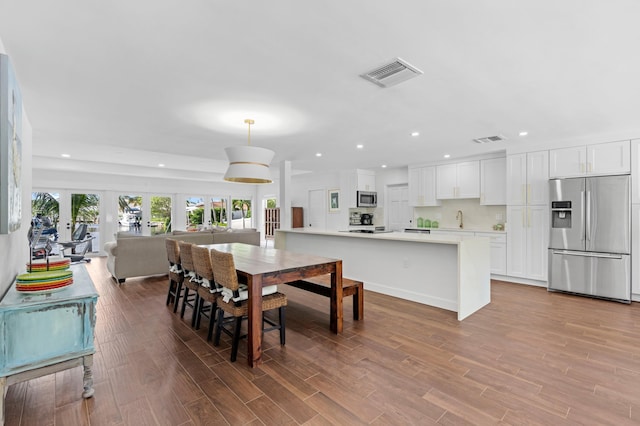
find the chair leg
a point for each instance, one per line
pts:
(171, 293)
(358, 303)
(281, 312)
(184, 301)
(216, 340)
(177, 297)
(196, 310)
(199, 311)
(236, 338)
(212, 318)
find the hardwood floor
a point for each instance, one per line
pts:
(530, 357)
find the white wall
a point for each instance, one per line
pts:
(14, 247)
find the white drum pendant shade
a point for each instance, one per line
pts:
(248, 164)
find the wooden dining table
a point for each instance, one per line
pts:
(263, 266)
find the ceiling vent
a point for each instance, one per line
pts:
(489, 139)
(392, 73)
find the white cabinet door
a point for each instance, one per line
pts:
(527, 242)
(422, 186)
(517, 179)
(498, 250)
(516, 241)
(609, 158)
(446, 181)
(493, 181)
(635, 250)
(537, 242)
(567, 162)
(460, 180)
(468, 177)
(366, 181)
(537, 190)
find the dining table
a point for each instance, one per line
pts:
(266, 266)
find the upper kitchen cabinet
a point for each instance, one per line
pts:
(422, 186)
(609, 158)
(493, 181)
(357, 180)
(460, 180)
(527, 178)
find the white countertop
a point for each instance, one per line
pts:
(483, 230)
(395, 236)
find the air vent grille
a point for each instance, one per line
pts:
(490, 139)
(392, 73)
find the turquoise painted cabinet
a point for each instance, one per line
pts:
(44, 333)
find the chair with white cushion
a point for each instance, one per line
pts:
(233, 300)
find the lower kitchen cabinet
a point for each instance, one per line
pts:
(527, 239)
(498, 247)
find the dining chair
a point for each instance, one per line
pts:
(233, 300)
(207, 291)
(191, 281)
(176, 276)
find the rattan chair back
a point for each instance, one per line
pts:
(173, 251)
(202, 262)
(186, 259)
(224, 269)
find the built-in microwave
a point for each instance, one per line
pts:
(367, 199)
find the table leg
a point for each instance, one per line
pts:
(3, 393)
(87, 362)
(336, 315)
(254, 326)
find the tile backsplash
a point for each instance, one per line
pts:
(475, 216)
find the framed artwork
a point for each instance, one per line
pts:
(10, 149)
(334, 200)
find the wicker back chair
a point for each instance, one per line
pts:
(207, 290)
(233, 300)
(176, 275)
(191, 284)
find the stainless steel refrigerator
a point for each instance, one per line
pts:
(590, 238)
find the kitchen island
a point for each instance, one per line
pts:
(444, 271)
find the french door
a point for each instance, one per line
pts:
(69, 211)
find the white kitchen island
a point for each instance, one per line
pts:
(444, 271)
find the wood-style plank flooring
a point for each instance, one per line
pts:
(530, 357)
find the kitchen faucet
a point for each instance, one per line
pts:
(459, 217)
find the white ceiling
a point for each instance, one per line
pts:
(131, 84)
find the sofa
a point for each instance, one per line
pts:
(133, 256)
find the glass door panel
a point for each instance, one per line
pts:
(130, 213)
(218, 211)
(195, 212)
(241, 216)
(160, 222)
(85, 210)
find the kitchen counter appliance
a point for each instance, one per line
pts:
(590, 238)
(367, 199)
(366, 219)
(374, 230)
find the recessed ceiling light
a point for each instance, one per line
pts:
(447, 156)
(359, 146)
(414, 134)
(66, 155)
(160, 165)
(523, 133)
(384, 166)
(318, 154)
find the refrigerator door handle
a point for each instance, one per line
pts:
(582, 227)
(588, 216)
(587, 254)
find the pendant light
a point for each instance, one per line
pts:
(248, 164)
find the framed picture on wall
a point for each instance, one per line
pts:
(334, 200)
(10, 149)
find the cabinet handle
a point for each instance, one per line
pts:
(589, 167)
(582, 167)
(528, 193)
(523, 194)
(529, 217)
